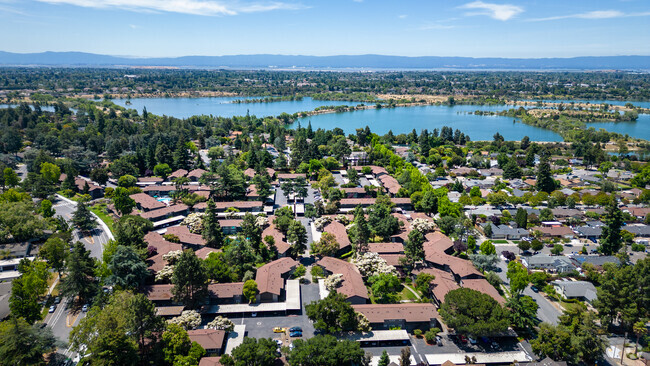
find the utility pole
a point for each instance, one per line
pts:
(623, 349)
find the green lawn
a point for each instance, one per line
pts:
(500, 241)
(99, 210)
(405, 294)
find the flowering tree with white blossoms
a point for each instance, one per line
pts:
(333, 281)
(371, 264)
(261, 221)
(189, 319)
(194, 222)
(172, 256)
(363, 324)
(221, 323)
(321, 222)
(422, 225)
(165, 274)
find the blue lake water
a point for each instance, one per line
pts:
(405, 119)
(222, 106)
(399, 120)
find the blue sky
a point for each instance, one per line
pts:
(477, 28)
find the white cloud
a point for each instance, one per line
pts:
(195, 7)
(403, 16)
(495, 11)
(596, 14)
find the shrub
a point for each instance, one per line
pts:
(317, 271)
(299, 271)
(417, 333)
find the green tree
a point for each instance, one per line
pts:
(99, 175)
(554, 342)
(413, 247)
(384, 360)
(54, 251)
(326, 246)
(10, 178)
(522, 312)
(130, 230)
(623, 294)
(487, 230)
(124, 204)
(523, 245)
(22, 344)
(521, 218)
(472, 312)
(545, 182)
(518, 276)
(262, 186)
(162, 170)
(610, 240)
(361, 230)
(487, 248)
(82, 218)
(332, 314)
(104, 334)
(212, 232)
(190, 280)
(250, 290)
(27, 290)
(218, 269)
(325, 350)
(18, 222)
(536, 245)
(127, 181)
(297, 236)
(385, 288)
(557, 249)
(255, 352)
(80, 274)
(511, 170)
(142, 322)
(46, 209)
(178, 349)
(50, 173)
(251, 231)
(128, 270)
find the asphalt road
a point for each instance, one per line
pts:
(547, 312)
(63, 319)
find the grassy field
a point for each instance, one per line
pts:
(99, 210)
(405, 294)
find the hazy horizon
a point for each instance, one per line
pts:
(468, 28)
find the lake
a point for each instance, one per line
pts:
(223, 106)
(399, 120)
(405, 119)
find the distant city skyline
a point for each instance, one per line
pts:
(170, 28)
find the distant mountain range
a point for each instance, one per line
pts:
(262, 61)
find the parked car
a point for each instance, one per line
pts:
(57, 299)
(462, 338)
(471, 340)
(84, 308)
(535, 289)
(295, 334)
(295, 329)
(494, 345)
(279, 330)
(52, 309)
(278, 342)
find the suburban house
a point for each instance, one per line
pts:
(352, 286)
(338, 230)
(145, 202)
(212, 340)
(549, 263)
(407, 316)
(441, 285)
(186, 237)
(581, 290)
(271, 278)
(506, 232)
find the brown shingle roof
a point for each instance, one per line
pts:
(204, 252)
(210, 361)
(352, 284)
(442, 283)
(482, 285)
(390, 183)
(409, 312)
(226, 290)
(269, 276)
(236, 204)
(196, 173)
(280, 243)
(208, 338)
(146, 202)
(185, 236)
(165, 211)
(338, 230)
(386, 248)
(158, 292)
(179, 173)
